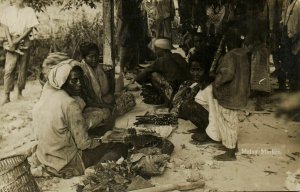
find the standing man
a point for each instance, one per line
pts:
(291, 40)
(275, 30)
(165, 12)
(130, 31)
(18, 21)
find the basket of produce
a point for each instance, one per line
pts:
(15, 175)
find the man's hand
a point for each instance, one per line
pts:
(296, 47)
(95, 143)
(16, 41)
(12, 47)
(106, 137)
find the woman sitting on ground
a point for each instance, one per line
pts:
(184, 105)
(64, 147)
(99, 92)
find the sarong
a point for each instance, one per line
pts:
(223, 123)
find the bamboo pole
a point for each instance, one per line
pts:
(169, 187)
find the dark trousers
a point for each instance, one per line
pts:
(104, 152)
(290, 63)
(129, 57)
(294, 73)
(280, 73)
(194, 112)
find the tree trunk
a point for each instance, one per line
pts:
(108, 37)
(108, 34)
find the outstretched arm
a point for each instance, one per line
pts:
(78, 128)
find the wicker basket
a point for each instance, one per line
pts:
(15, 175)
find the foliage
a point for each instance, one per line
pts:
(68, 41)
(78, 3)
(40, 5)
(110, 176)
(79, 32)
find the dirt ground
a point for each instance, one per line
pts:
(267, 158)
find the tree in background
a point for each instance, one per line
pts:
(40, 5)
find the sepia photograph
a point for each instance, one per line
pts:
(149, 95)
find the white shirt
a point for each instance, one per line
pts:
(18, 19)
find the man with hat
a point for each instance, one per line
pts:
(167, 72)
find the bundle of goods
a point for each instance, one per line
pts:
(124, 103)
(161, 125)
(148, 157)
(110, 176)
(139, 142)
(150, 154)
(149, 165)
(151, 95)
(157, 119)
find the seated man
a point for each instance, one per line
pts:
(64, 146)
(167, 72)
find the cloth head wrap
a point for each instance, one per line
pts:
(59, 73)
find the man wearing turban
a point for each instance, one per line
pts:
(64, 147)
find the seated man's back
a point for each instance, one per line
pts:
(53, 116)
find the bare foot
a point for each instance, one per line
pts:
(258, 108)
(196, 130)
(229, 155)
(19, 96)
(202, 138)
(4, 101)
